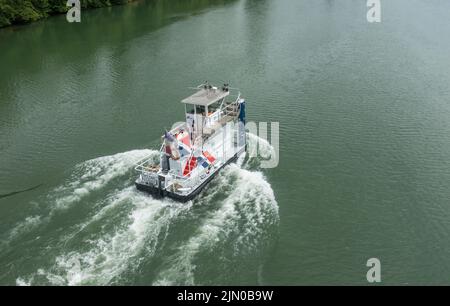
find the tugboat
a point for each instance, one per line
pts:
(192, 153)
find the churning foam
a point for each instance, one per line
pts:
(95, 174)
(251, 202)
(109, 255)
(86, 177)
(245, 211)
(258, 150)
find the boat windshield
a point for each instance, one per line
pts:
(200, 110)
(214, 107)
(190, 108)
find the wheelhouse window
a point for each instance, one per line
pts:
(200, 110)
(189, 108)
(214, 107)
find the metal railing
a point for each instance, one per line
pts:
(143, 164)
(188, 182)
(181, 126)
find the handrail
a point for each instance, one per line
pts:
(178, 127)
(140, 163)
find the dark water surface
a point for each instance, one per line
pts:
(364, 144)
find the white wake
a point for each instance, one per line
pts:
(125, 227)
(244, 215)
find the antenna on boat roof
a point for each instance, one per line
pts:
(226, 86)
(206, 85)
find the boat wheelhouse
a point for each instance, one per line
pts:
(193, 152)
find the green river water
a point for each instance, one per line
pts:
(364, 150)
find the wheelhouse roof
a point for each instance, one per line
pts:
(205, 97)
